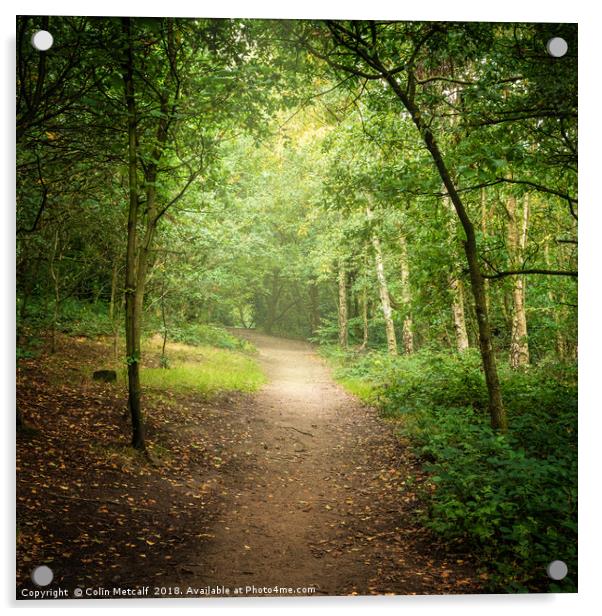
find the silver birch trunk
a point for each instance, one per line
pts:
(561, 350)
(484, 231)
(406, 297)
(364, 319)
(517, 239)
(456, 287)
(343, 323)
(383, 289)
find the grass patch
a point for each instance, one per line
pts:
(364, 390)
(204, 370)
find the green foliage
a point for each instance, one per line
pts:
(80, 318)
(510, 498)
(25, 353)
(517, 509)
(429, 378)
(76, 318)
(326, 335)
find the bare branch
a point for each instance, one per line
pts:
(544, 272)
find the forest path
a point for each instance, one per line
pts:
(318, 497)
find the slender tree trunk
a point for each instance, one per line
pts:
(272, 302)
(499, 420)
(112, 311)
(164, 321)
(25, 297)
(241, 316)
(132, 315)
(406, 297)
(138, 254)
(383, 289)
(314, 307)
(56, 286)
(365, 321)
(459, 317)
(517, 238)
(456, 287)
(560, 343)
(343, 322)
(485, 231)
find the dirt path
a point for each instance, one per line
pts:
(318, 498)
(298, 486)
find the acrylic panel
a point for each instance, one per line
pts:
(296, 307)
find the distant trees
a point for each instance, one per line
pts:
(380, 185)
(412, 59)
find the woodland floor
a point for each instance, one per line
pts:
(296, 486)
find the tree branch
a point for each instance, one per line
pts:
(42, 205)
(572, 274)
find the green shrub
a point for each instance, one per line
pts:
(518, 511)
(79, 318)
(76, 317)
(405, 383)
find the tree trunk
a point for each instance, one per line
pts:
(383, 289)
(164, 321)
(456, 286)
(459, 318)
(343, 323)
(241, 316)
(314, 307)
(56, 285)
(364, 319)
(517, 239)
(496, 408)
(485, 231)
(25, 297)
(406, 298)
(272, 302)
(132, 315)
(112, 312)
(560, 343)
(138, 254)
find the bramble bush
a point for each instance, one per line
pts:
(511, 498)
